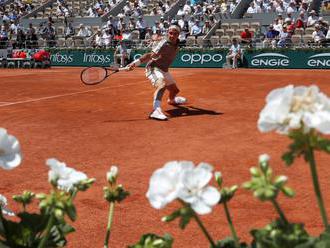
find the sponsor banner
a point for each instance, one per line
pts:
(203, 59)
(81, 58)
(288, 60)
(191, 59)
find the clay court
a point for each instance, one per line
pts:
(93, 127)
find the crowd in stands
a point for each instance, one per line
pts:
(196, 19)
(278, 6)
(308, 28)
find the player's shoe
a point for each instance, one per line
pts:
(178, 100)
(157, 114)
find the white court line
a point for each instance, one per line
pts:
(64, 95)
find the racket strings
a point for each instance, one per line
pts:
(93, 75)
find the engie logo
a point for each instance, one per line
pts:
(61, 58)
(201, 58)
(270, 59)
(317, 60)
(97, 58)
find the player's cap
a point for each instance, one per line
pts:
(312, 12)
(271, 25)
(287, 20)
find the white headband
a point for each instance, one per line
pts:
(177, 28)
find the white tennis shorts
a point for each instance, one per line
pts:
(154, 74)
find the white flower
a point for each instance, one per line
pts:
(3, 204)
(112, 174)
(195, 190)
(65, 177)
(10, 152)
(165, 183)
(295, 107)
(264, 158)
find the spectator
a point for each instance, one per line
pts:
(327, 38)
(182, 22)
(187, 8)
(121, 54)
(3, 37)
(312, 19)
(301, 21)
(271, 37)
(323, 25)
(142, 27)
(31, 37)
(318, 36)
(107, 38)
(49, 34)
(206, 28)
(196, 29)
(289, 25)
(83, 31)
(246, 37)
(181, 11)
(69, 31)
(20, 40)
(292, 8)
(284, 38)
(234, 54)
(156, 37)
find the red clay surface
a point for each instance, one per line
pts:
(93, 127)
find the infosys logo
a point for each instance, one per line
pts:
(317, 60)
(270, 59)
(97, 58)
(61, 58)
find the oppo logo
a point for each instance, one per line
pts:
(322, 59)
(195, 58)
(61, 58)
(201, 58)
(270, 59)
(97, 58)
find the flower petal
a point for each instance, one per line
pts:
(201, 208)
(210, 196)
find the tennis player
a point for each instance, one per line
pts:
(158, 62)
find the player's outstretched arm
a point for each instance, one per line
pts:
(143, 59)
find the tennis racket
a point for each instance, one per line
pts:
(96, 75)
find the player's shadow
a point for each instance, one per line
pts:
(181, 111)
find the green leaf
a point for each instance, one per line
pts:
(151, 240)
(288, 191)
(280, 235)
(288, 158)
(71, 211)
(184, 221)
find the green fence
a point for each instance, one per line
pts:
(284, 59)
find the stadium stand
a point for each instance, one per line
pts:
(205, 23)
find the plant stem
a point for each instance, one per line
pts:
(280, 212)
(49, 226)
(2, 221)
(232, 229)
(110, 218)
(317, 190)
(200, 224)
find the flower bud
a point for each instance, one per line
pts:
(218, 177)
(264, 158)
(112, 174)
(254, 172)
(280, 181)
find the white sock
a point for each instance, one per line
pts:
(157, 104)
